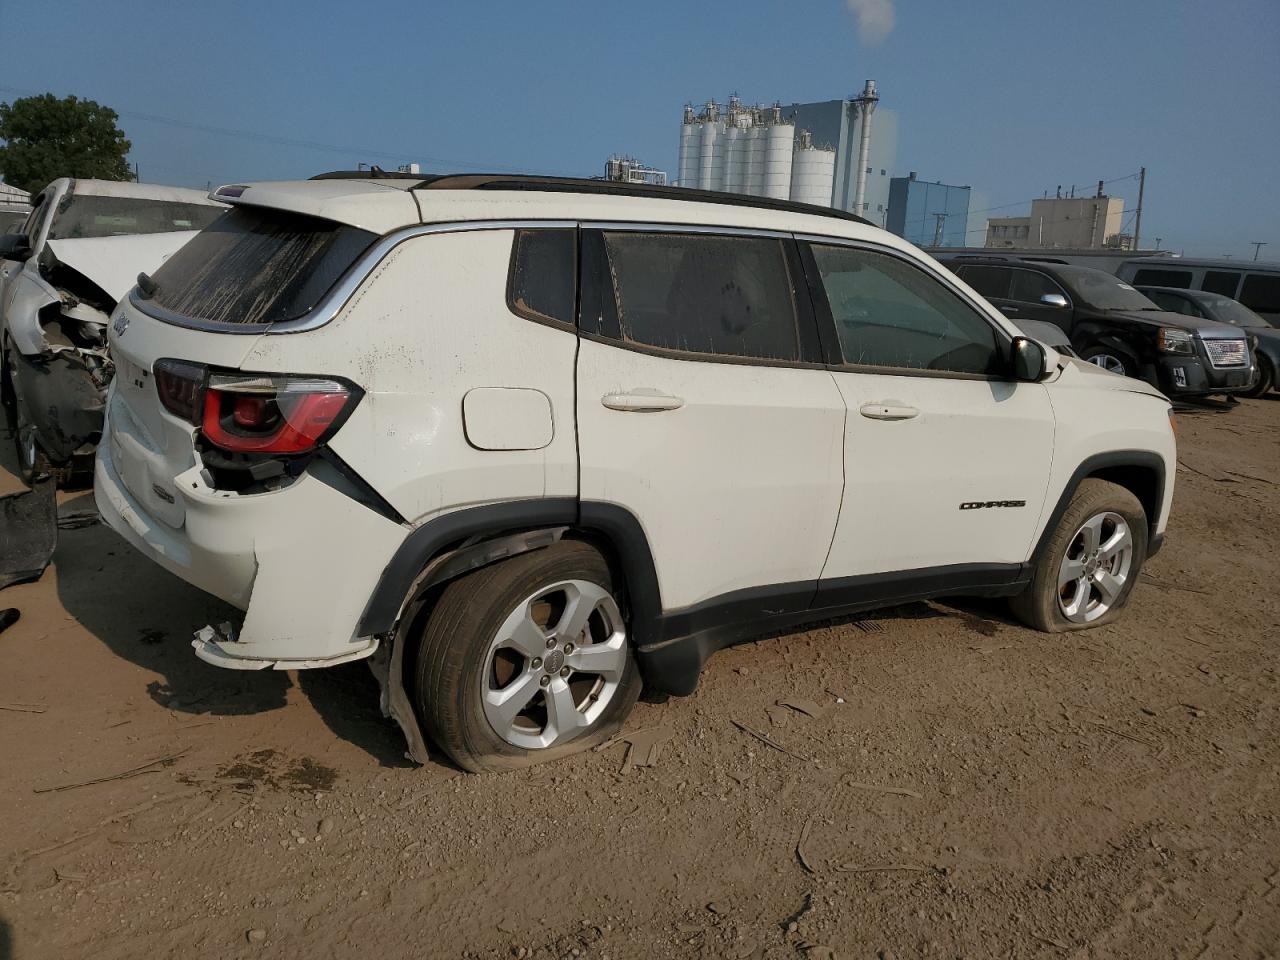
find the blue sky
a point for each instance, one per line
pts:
(1010, 96)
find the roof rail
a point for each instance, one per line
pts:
(507, 181)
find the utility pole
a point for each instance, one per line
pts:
(1137, 223)
(1158, 239)
(941, 219)
(1257, 246)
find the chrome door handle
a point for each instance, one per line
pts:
(888, 410)
(641, 400)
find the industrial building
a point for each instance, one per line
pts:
(821, 153)
(1077, 223)
(928, 213)
(622, 169)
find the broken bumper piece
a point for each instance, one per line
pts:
(216, 645)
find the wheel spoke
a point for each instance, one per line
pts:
(1070, 570)
(1091, 534)
(1109, 586)
(606, 659)
(503, 705)
(581, 599)
(1079, 598)
(526, 636)
(563, 716)
(1119, 540)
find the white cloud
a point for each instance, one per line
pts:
(875, 18)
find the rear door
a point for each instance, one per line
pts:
(946, 458)
(704, 410)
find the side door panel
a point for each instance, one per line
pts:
(733, 467)
(945, 466)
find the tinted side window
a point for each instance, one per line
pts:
(1029, 286)
(704, 294)
(1173, 302)
(889, 313)
(1221, 281)
(543, 274)
(991, 282)
(1147, 277)
(1261, 293)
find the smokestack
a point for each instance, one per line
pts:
(866, 105)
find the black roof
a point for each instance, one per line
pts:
(507, 181)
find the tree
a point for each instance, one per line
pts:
(46, 138)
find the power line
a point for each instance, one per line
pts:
(253, 135)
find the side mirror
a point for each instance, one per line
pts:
(1030, 360)
(14, 246)
(1054, 300)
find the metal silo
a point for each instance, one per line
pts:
(707, 146)
(813, 173)
(778, 149)
(732, 142)
(687, 169)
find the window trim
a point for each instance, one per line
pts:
(827, 325)
(808, 333)
(526, 313)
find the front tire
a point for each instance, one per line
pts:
(1266, 378)
(1088, 569)
(1108, 358)
(526, 661)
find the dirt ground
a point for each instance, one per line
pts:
(945, 783)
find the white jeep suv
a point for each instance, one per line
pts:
(527, 443)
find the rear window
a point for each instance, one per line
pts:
(1261, 293)
(254, 266)
(81, 215)
(1221, 281)
(1147, 277)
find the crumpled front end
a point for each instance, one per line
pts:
(59, 368)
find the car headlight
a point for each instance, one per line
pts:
(1175, 341)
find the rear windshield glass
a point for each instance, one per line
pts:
(258, 266)
(81, 216)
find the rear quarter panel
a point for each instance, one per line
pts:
(428, 325)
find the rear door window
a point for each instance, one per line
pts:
(257, 266)
(728, 296)
(1149, 277)
(991, 282)
(543, 275)
(1224, 282)
(1261, 292)
(889, 313)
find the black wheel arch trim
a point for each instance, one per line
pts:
(1099, 463)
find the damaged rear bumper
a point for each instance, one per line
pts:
(301, 561)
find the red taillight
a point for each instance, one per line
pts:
(180, 385)
(255, 413)
(271, 414)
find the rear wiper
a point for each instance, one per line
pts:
(146, 286)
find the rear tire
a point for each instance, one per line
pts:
(1089, 567)
(526, 661)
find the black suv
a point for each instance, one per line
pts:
(1113, 325)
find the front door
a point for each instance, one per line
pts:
(946, 459)
(703, 410)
